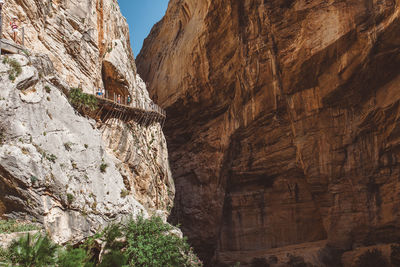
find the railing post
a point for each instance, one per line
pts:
(23, 36)
(1, 23)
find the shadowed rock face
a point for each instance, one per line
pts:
(283, 122)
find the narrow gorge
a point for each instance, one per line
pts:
(281, 122)
(283, 127)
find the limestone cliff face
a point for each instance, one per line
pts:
(84, 39)
(71, 173)
(284, 123)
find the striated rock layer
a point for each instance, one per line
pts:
(70, 173)
(67, 172)
(284, 123)
(87, 41)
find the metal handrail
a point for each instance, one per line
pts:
(151, 107)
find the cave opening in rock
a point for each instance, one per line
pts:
(116, 86)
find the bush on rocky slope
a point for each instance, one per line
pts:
(144, 242)
(12, 226)
(79, 99)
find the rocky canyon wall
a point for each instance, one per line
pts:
(87, 41)
(69, 172)
(284, 124)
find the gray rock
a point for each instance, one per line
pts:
(50, 165)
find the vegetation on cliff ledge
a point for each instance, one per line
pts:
(144, 242)
(15, 68)
(13, 226)
(79, 99)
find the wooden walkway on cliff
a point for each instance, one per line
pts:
(9, 47)
(145, 114)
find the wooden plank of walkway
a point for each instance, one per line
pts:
(158, 116)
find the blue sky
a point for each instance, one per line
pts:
(141, 16)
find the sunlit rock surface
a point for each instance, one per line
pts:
(69, 172)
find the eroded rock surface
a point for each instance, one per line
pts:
(283, 122)
(68, 172)
(77, 36)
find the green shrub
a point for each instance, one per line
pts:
(144, 242)
(80, 99)
(33, 250)
(124, 193)
(103, 167)
(73, 257)
(4, 256)
(149, 245)
(70, 198)
(51, 158)
(47, 88)
(15, 68)
(67, 146)
(12, 226)
(115, 259)
(372, 258)
(2, 138)
(33, 179)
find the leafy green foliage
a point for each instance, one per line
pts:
(13, 226)
(15, 68)
(144, 242)
(2, 137)
(114, 258)
(150, 245)
(103, 167)
(4, 256)
(73, 257)
(372, 258)
(33, 179)
(51, 157)
(70, 198)
(124, 193)
(67, 146)
(48, 89)
(80, 99)
(140, 243)
(33, 250)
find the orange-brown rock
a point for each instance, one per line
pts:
(284, 122)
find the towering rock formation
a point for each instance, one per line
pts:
(284, 123)
(87, 41)
(66, 171)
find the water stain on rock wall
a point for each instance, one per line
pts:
(283, 124)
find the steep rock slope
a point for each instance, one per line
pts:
(283, 122)
(87, 41)
(71, 173)
(51, 158)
